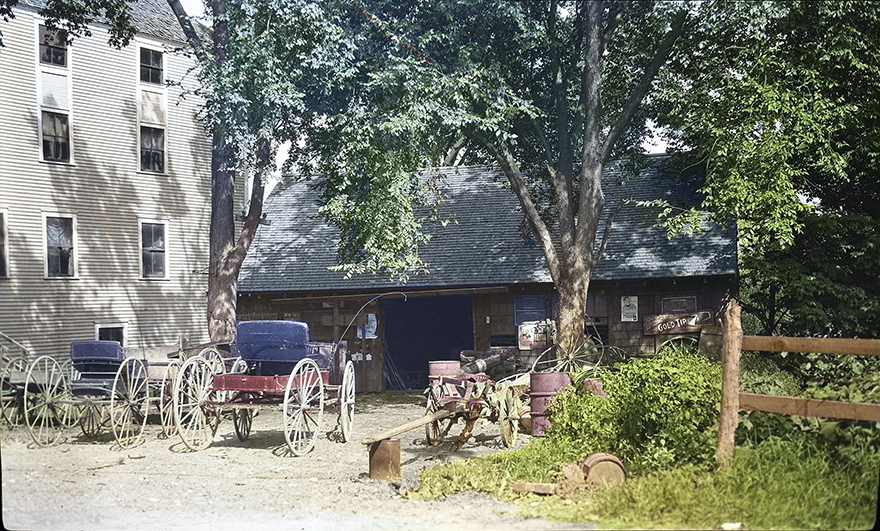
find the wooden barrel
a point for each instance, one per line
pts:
(602, 469)
(440, 368)
(542, 388)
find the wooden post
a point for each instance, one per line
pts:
(731, 345)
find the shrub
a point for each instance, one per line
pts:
(661, 412)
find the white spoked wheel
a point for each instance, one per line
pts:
(129, 403)
(194, 418)
(92, 418)
(46, 402)
(303, 406)
(346, 401)
(166, 398)
(12, 388)
(218, 365)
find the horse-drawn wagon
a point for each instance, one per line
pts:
(273, 366)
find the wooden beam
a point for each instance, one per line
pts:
(808, 407)
(411, 425)
(400, 294)
(826, 345)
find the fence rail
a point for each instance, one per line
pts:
(733, 343)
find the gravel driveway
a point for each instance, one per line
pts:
(83, 484)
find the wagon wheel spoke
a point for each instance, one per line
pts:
(346, 401)
(91, 419)
(129, 403)
(508, 417)
(194, 420)
(435, 431)
(45, 384)
(243, 419)
(303, 406)
(12, 387)
(166, 398)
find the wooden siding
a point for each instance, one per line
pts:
(108, 195)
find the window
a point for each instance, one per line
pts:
(4, 251)
(53, 46)
(111, 332)
(151, 66)
(60, 259)
(56, 137)
(152, 149)
(153, 247)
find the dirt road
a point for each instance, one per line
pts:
(82, 484)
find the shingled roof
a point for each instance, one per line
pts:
(150, 17)
(486, 247)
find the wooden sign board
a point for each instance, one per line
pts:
(676, 323)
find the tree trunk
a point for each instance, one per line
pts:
(571, 291)
(221, 279)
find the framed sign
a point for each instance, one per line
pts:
(678, 304)
(677, 323)
(629, 309)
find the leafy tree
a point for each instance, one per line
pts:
(549, 92)
(260, 63)
(791, 116)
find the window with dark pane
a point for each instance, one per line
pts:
(59, 247)
(112, 333)
(151, 66)
(53, 46)
(152, 149)
(153, 250)
(3, 271)
(56, 137)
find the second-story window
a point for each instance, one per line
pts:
(152, 149)
(59, 247)
(53, 46)
(153, 250)
(151, 66)
(56, 137)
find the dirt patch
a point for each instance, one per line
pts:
(82, 484)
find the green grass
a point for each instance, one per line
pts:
(776, 485)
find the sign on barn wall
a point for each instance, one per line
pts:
(676, 323)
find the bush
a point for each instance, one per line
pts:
(661, 412)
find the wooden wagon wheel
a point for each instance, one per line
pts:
(12, 389)
(218, 366)
(129, 402)
(46, 401)
(243, 419)
(346, 401)
(435, 431)
(92, 418)
(195, 420)
(166, 398)
(508, 417)
(303, 406)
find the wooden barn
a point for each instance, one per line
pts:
(485, 278)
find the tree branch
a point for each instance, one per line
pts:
(641, 90)
(186, 25)
(606, 235)
(454, 150)
(539, 228)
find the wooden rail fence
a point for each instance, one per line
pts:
(732, 400)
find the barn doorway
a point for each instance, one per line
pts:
(419, 330)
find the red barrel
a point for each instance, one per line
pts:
(543, 386)
(442, 368)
